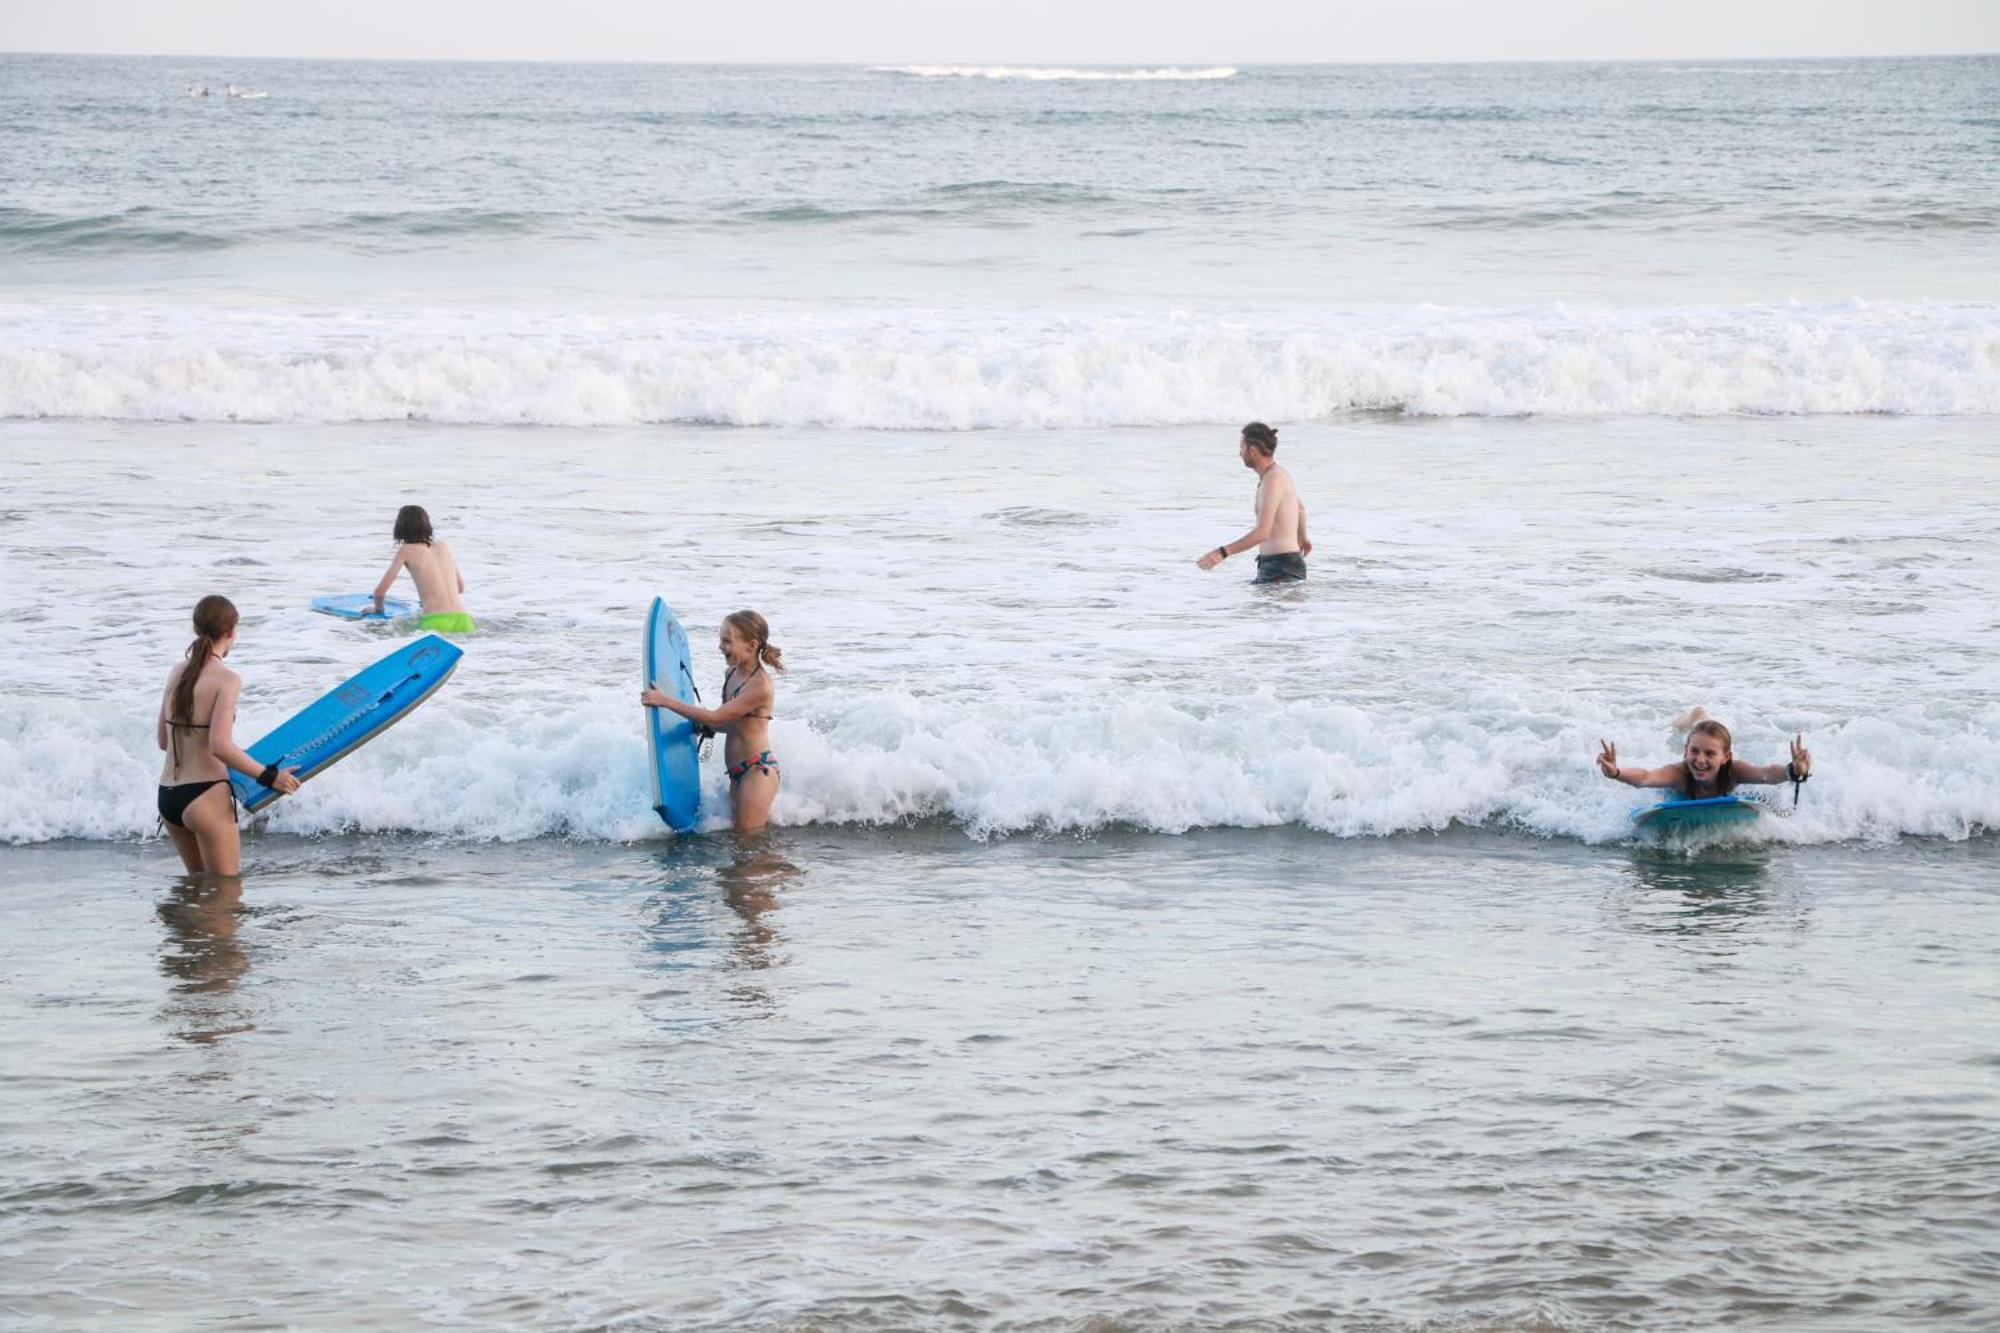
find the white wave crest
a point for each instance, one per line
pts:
(1047, 73)
(960, 371)
(87, 770)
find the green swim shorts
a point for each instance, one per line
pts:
(447, 622)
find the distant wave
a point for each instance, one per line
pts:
(1044, 73)
(999, 765)
(1665, 212)
(968, 371)
(143, 230)
(138, 229)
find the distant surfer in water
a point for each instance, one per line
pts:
(744, 716)
(197, 806)
(1280, 534)
(1708, 766)
(432, 568)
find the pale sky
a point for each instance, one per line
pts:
(1007, 31)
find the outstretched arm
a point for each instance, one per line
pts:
(755, 695)
(1607, 764)
(389, 579)
(1798, 770)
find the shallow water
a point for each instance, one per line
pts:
(1135, 949)
(1007, 629)
(854, 1080)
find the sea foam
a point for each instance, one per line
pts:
(85, 769)
(919, 370)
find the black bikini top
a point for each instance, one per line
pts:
(174, 730)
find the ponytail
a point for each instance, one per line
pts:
(758, 630)
(214, 618)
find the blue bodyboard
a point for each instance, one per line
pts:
(1708, 812)
(361, 606)
(671, 743)
(340, 722)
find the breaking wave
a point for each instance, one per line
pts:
(918, 370)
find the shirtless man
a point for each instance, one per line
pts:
(1280, 534)
(432, 568)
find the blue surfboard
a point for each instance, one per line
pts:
(1708, 812)
(361, 606)
(342, 721)
(671, 743)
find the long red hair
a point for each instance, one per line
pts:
(214, 618)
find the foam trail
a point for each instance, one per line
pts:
(959, 371)
(86, 770)
(1046, 74)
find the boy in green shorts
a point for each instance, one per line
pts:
(433, 569)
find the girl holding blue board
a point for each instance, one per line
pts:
(197, 805)
(744, 715)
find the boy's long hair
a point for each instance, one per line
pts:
(413, 525)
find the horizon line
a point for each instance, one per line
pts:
(890, 65)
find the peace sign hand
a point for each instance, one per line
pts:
(1801, 756)
(1607, 759)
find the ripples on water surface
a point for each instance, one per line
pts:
(1245, 1080)
(1136, 951)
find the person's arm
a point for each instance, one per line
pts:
(1305, 542)
(222, 741)
(389, 579)
(160, 723)
(1267, 517)
(1607, 764)
(1798, 770)
(755, 695)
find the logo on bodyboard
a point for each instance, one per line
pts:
(353, 695)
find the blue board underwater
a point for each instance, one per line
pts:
(670, 738)
(1708, 812)
(361, 606)
(342, 721)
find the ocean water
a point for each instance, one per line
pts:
(1134, 948)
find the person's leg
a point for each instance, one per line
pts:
(211, 818)
(751, 795)
(187, 845)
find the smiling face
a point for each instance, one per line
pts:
(737, 650)
(1705, 755)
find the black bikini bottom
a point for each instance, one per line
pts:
(174, 801)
